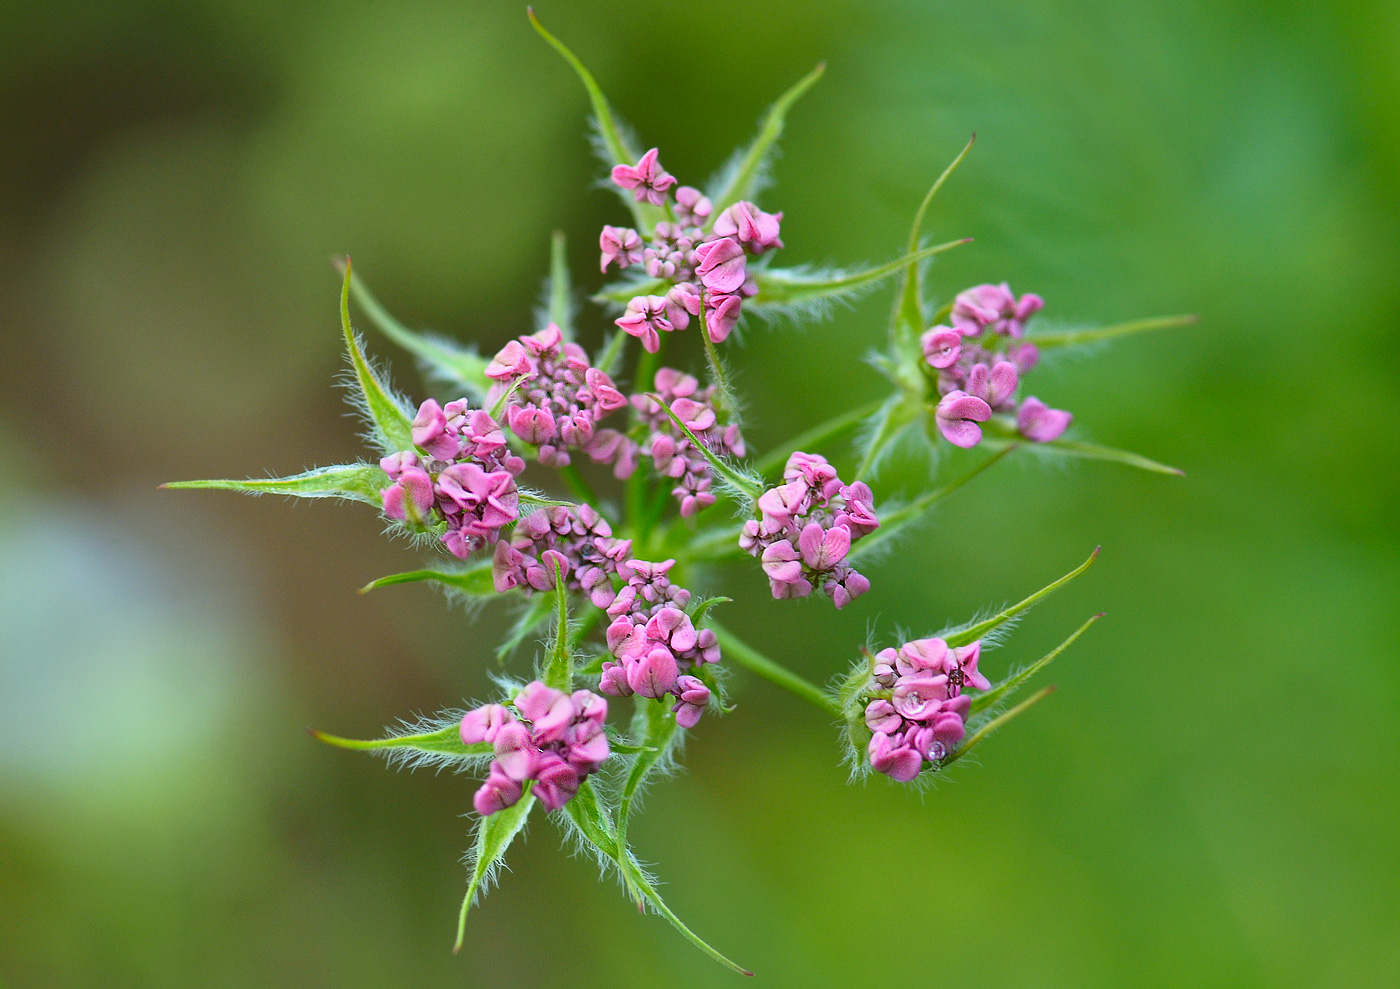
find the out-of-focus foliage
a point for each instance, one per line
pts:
(1209, 799)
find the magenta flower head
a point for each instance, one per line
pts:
(620, 244)
(994, 307)
(553, 738)
(1038, 422)
(648, 181)
(756, 230)
(722, 265)
(646, 318)
(941, 346)
(693, 207)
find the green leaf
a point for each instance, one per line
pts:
(657, 727)
(746, 484)
(746, 175)
(474, 580)
(895, 522)
(898, 412)
(353, 482)
(909, 312)
(390, 423)
(535, 613)
(533, 499)
(1011, 684)
(1091, 451)
(1075, 338)
(441, 358)
(699, 607)
(966, 636)
(593, 824)
(443, 742)
(558, 293)
(783, 288)
(614, 142)
(981, 733)
(493, 836)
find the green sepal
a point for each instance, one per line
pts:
(789, 288)
(970, 634)
(473, 581)
(981, 733)
(895, 522)
(614, 142)
(391, 428)
(1000, 691)
(493, 836)
(745, 484)
(1092, 451)
(461, 368)
(436, 747)
(1074, 338)
(909, 316)
(744, 178)
(590, 819)
(353, 482)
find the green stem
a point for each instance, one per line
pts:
(816, 436)
(750, 658)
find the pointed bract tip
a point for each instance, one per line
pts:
(1100, 615)
(162, 487)
(1095, 554)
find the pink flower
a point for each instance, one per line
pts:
(692, 696)
(994, 307)
(894, 759)
(823, 549)
(957, 416)
(755, 229)
(721, 315)
(648, 181)
(995, 386)
(646, 317)
(484, 724)
(722, 265)
(430, 432)
(620, 244)
(1038, 422)
(941, 346)
(497, 793)
(410, 498)
(654, 674)
(692, 206)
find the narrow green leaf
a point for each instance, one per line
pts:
(558, 293)
(474, 580)
(610, 357)
(636, 877)
(390, 422)
(976, 737)
(1011, 684)
(1074, 338)
(909, 313)
(743, 482)
(894, 523)
(699, 607)
(493, 836)
(445, 742)
(559, 669)
(590, 818)
(779, 287)
(972, 633)
(898, 412)
(353, 482)
(658, 733)
(1092, 451)
(615, 143)
(532, 500)
(534, 615)
(441, 358)
(747, 173)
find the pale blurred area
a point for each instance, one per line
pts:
(1211, 797)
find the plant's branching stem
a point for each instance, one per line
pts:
(817, 436)
(750, 658)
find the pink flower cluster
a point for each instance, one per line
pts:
(979, 361)
(463, 477)
(655, 642)
(556, 741)
(554, 398)
(805, 529)
(920, 715)
(577, 542)
(704, 271)
(671, 451)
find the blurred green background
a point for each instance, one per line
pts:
(1211, 797)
